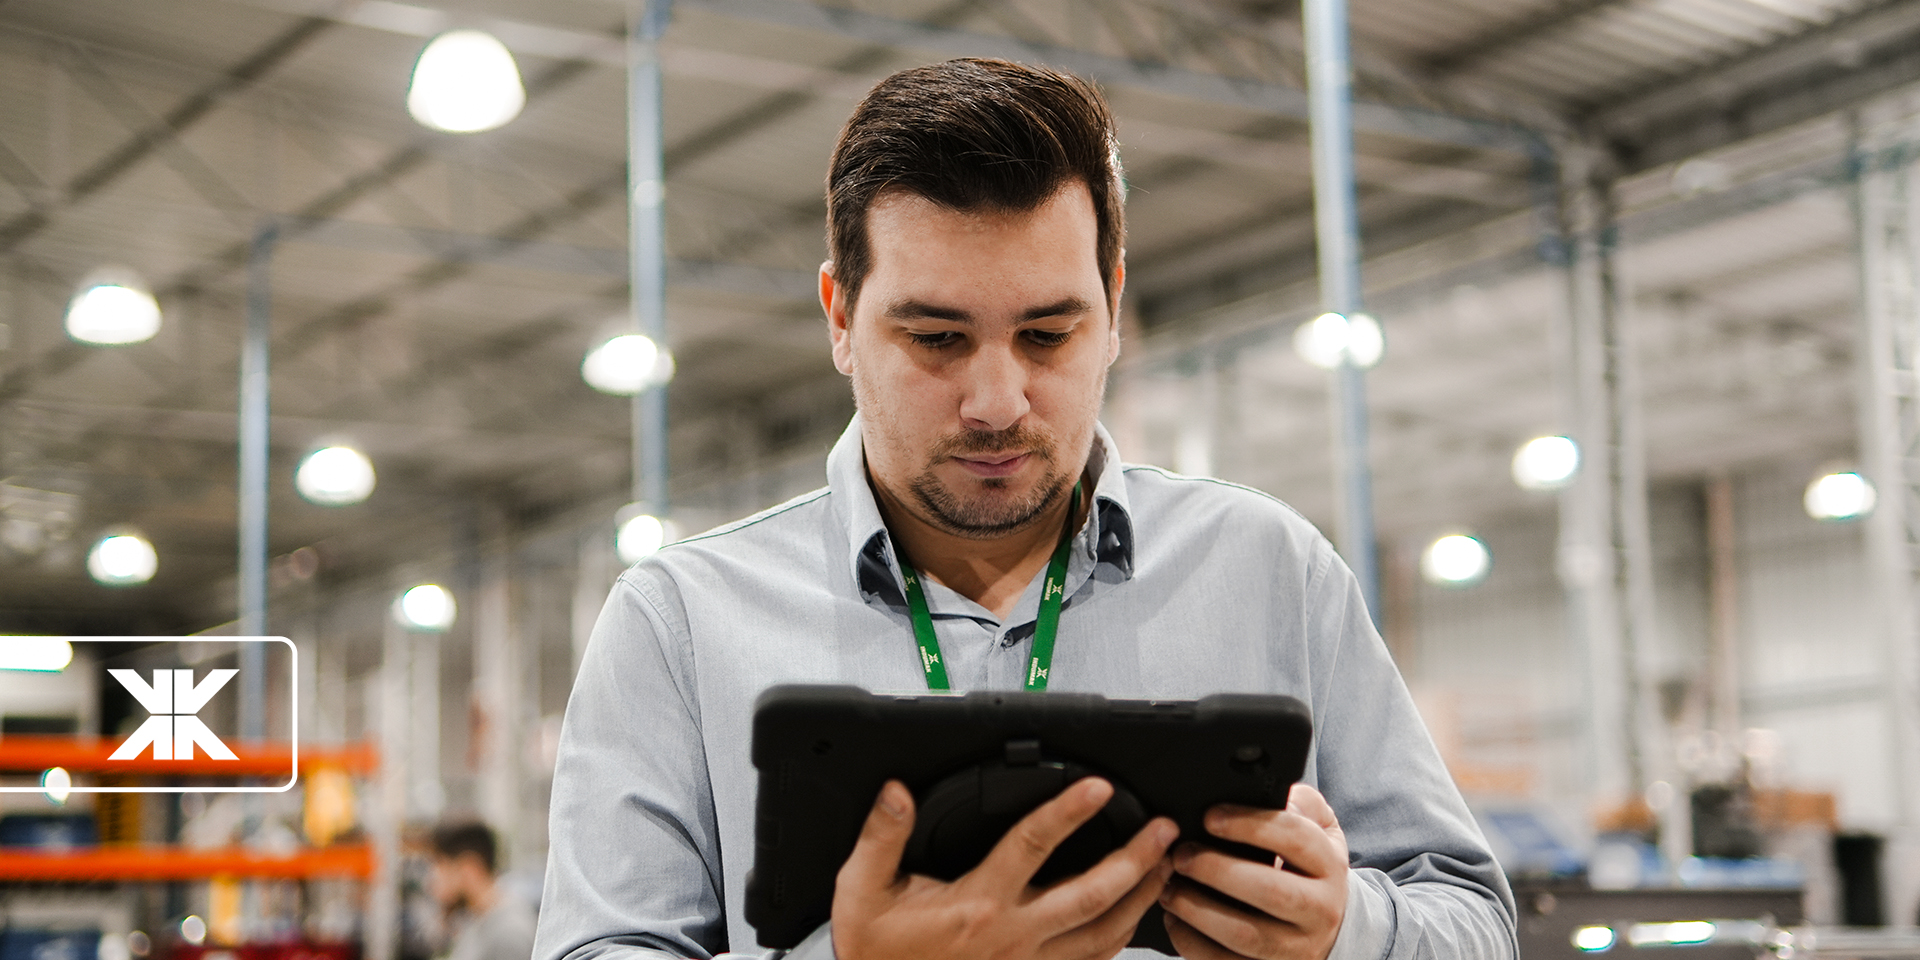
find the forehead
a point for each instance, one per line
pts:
(908, 232)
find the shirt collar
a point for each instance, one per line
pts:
(1107, 535)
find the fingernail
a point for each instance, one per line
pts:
(1096, 789)
(1183, 855)
(1165, 832)
(892, 802)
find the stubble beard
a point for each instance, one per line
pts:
(988, 517)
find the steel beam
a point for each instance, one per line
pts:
(1811, 75)
(1407, 123)
(255, 387)
(168, 128)
(79, 65)
(1605, 557)
(647, 242)
(1514, 34)
(1337, 232)
(1887, 217)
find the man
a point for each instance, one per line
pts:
(976, 226)
(488, 923)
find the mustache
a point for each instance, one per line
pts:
(993, 442)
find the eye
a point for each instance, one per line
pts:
(944, 338)
(1048, 338)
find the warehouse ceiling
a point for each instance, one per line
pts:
(432, 294)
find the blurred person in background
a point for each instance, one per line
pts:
(489, 922)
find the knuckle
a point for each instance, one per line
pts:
(1031, 841)
(1089, 902)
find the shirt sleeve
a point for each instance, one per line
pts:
(633, 863)
(1423, 884)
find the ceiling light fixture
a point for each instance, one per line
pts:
(626, 365)
(427, 608)
(1840, 496)
(122, 560)
(112, 307)
(464, 82)
(1327, 340)
(38, 654)
(1546, 463)
(1456, 560)
(639, 534)
(335, 476)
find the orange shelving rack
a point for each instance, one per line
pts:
(158, 863)
(31, 753)
(36, 752)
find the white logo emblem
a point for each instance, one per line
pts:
(173, 729)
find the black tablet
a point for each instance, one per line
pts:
(977, 763)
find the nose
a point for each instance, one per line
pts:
(996, 389)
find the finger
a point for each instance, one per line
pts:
(1084, 898)
(1284, 896)
(874, 864)
(1110, 931)
(1191, 944)
(1301, 843)
(1012, 862)
(1235, 930)
(1307, 802)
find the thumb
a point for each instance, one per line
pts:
(874, 864)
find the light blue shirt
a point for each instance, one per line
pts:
(1178, 587)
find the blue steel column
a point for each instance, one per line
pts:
(647, 242)
(254, 392)
(1337, 229)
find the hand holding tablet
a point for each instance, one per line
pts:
(993, 910)
(1002, 800)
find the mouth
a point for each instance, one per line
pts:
(993, 464)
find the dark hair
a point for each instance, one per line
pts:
(450, 840)
(973, 135)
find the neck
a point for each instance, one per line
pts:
(992, 573)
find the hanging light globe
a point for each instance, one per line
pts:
(465, 82)
(1331, 339)
(625, 365)
(122, 559)
(638, 537)
(335, 476)
(428, 608)
(1842, 495)
(1456, 560)
(1546, 463)
(112, 307)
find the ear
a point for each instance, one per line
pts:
(1113, 311)
(838, 332)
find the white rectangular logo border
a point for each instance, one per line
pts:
(293, 666)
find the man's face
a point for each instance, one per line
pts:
(452, 878)
(978, 351)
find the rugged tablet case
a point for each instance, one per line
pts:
(978, 763)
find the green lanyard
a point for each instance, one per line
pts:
(1051, 597)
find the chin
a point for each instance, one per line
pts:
(995, 507)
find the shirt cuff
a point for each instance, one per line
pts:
(1367, 927)
(817, 946)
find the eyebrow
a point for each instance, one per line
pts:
(911, 309)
